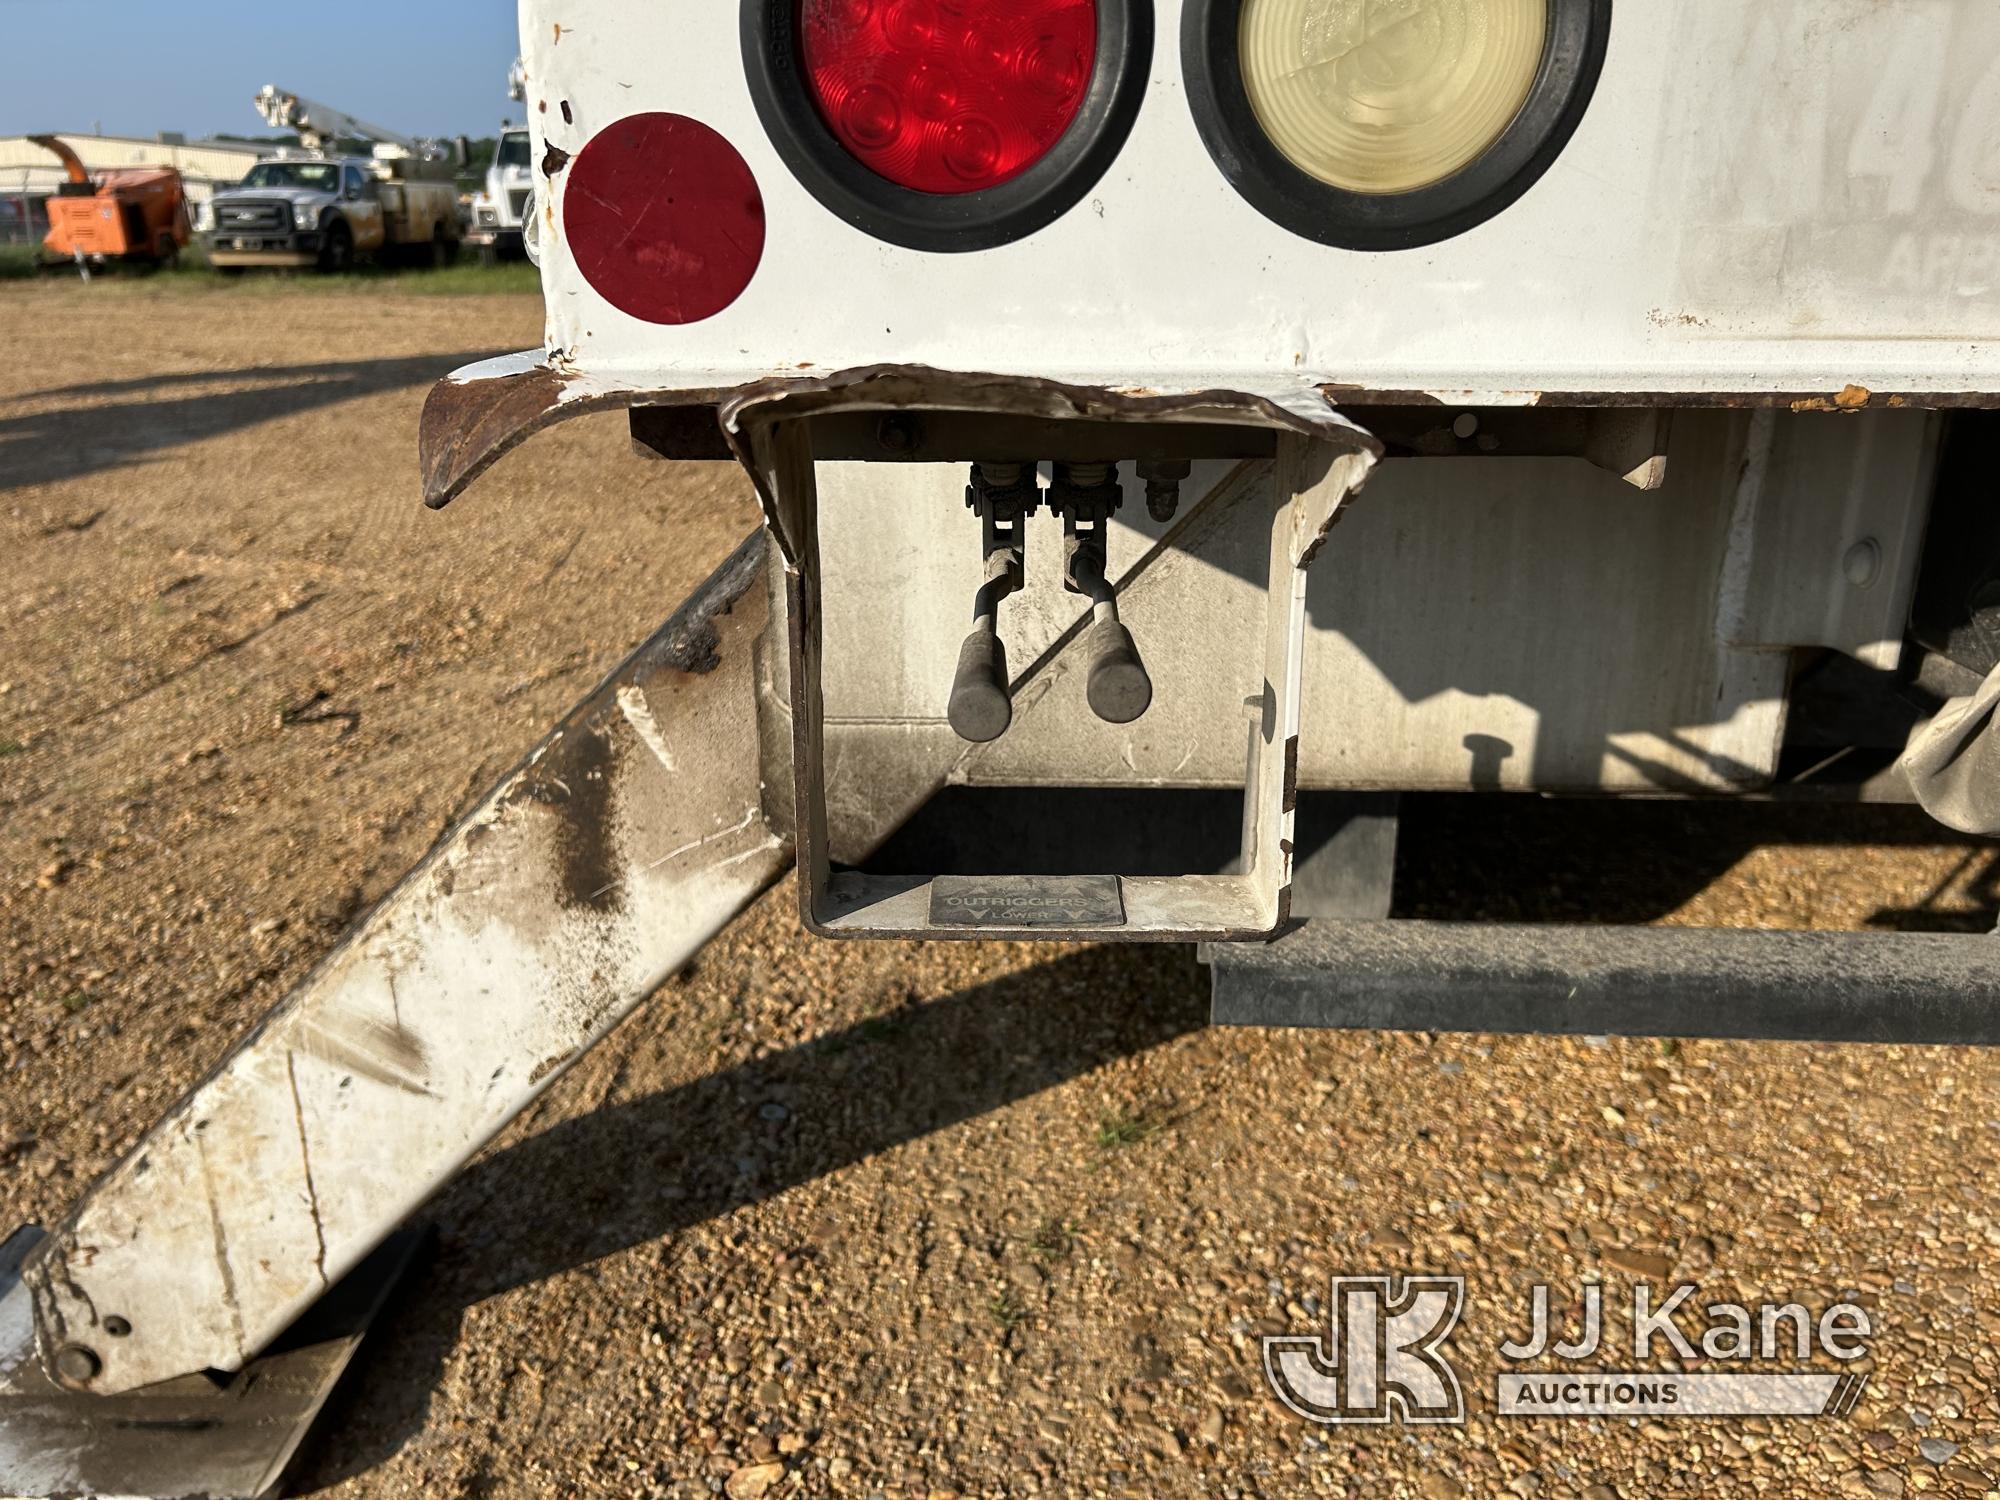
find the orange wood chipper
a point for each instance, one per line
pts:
(136, 214)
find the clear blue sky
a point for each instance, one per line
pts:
(419, 67)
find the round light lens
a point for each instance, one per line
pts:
(948, 96)
(1388, 96)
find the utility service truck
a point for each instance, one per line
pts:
(501, 205)
(319, 207)
(1156, 406)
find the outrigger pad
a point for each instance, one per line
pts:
(228, 1439)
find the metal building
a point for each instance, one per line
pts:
(28, 174)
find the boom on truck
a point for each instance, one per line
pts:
(1149, 404)
(320, 207)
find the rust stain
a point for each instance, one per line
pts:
(547, 1066)
(558, 34)
(554, 159)
(1354, 395)
(468, 424)
(1338, 391)
(1851, 397)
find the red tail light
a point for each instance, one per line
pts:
(948, 96)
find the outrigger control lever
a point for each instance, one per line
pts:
(1003, 496)
(1086, 496)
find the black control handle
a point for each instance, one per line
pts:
(980, 708)
(1118, 688)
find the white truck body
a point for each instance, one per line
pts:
(498, 209)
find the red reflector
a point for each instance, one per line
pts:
(948, 96)
(663, 218)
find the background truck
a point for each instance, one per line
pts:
(320, 208)
(499, 208)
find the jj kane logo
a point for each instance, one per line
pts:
(1380, 1360)
(1382, 1357)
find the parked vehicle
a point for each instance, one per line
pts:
(500, 206)
(136, 215)
(498, 209)
(319, 207)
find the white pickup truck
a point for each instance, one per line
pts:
(323, 211)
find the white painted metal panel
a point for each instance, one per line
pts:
(1828, 526)
(1788, 196)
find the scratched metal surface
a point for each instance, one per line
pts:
(192, 1437)
(590, 874)
(1787, 198)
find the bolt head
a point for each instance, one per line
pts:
(1863, 562)
(897, 433)
(77, 1365)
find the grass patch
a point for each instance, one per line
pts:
(466, 277)
(75, 1002)
(12, 747)
(1006, 1313)
(1115, 1131)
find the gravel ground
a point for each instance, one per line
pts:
(904, 1220)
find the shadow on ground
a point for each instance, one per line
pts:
(596, 1181)
(1531, 859)
(47, 447)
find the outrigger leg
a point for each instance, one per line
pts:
(144, 1344)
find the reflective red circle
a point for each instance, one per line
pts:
(948, 96)
(663, 218)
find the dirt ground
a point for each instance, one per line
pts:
(892, 1220)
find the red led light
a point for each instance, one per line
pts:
(948, 96)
